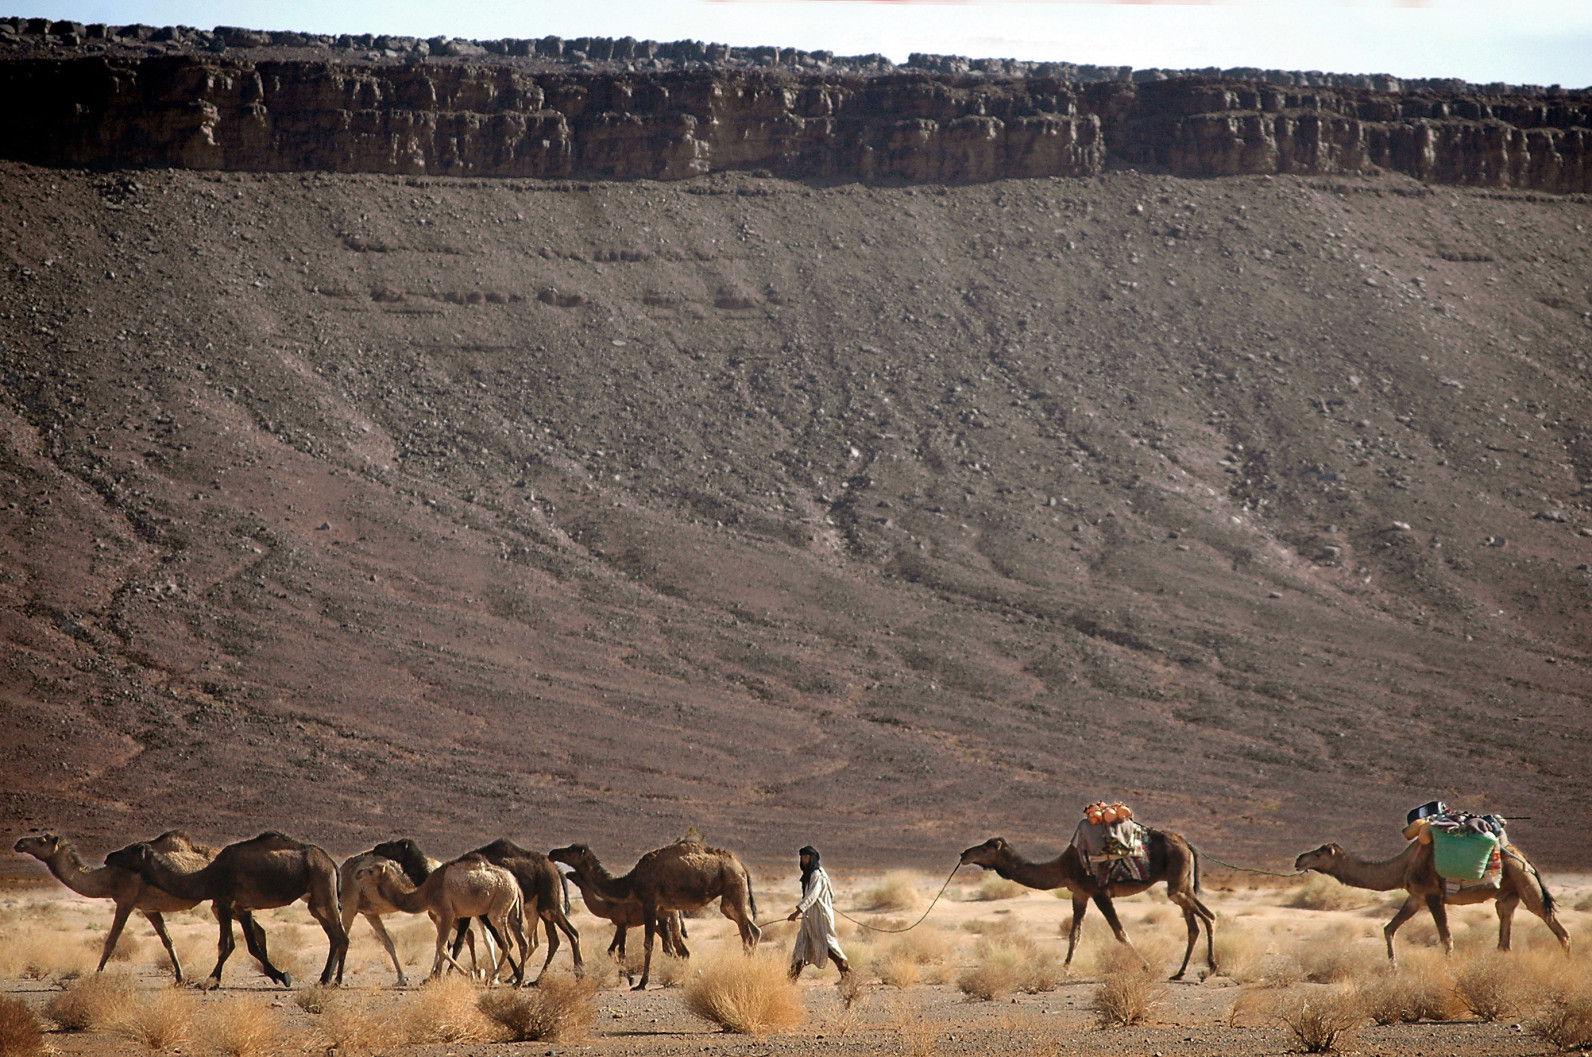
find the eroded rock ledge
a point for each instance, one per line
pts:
(467, 117)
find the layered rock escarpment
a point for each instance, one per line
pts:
(483, 118)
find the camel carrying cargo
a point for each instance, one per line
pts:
(1467, 849)
(1112, 845)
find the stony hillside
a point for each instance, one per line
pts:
(884, 518)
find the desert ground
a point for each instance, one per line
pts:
(981, 975)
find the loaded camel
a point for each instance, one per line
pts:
(1415, 872)
(359, 895)
(685, 875)
(1171, 860)
(467, 887)
(268, 871)
(129, 891)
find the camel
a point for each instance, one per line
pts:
(1414, 871)
(467, 887)
(544, 893)
(267, 871)
(129, 891)
(541, 889)
(359, 896)
(684, 875)
(1171, 860)
(626, 915)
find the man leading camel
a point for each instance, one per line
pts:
(816, 942)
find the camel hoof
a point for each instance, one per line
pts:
(640, 987)
(211, 983)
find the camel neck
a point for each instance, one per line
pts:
(1382, 876)
(71, 871)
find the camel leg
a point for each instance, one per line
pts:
(649, 926)
(386, 941)
(324, 911)
(445, 925)
(1506, 904)
(254, 940)
(1407, 911)
(119, 922)
(1434, 903)
(560, 920)
(738, 913)
(1103, 901)
(1537, 899)
(1193, 937)
(1080, 907)
(224, 945)
(159, 925)
(493, 961)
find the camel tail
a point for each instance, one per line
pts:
(751, 900)
(1547, 896)
(563, 882)
(1196, 853)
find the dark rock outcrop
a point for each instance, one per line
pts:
(476, 116)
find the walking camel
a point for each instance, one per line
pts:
(1415, 872)
(685, 875)
(262, 873)
(359, 896)
(128, 890)
(626, 915)
(467, 887)
(1171, 860)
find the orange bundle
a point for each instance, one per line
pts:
(1101, 813)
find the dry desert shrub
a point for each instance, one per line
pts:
(1566, 1023)
(897, 968)
(897, 890)
(918, 1036)
(33, 952)
(561, 1008)
(1126, 993)
(1492, 985)
(1321, 1021)
(994, 887)
(1335, 955)
(744, 993)
(244, 1026)
(346, 1021)
(1321, 892)
(446, 1010)
(667, 970)
(21, 1031)
(93, 1002)
(929, 949)
(1252, 1006)
(1240, 952)
(1420, 988)
(1009, 963)
(160, 1020)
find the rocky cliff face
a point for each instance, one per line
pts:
(485, 118)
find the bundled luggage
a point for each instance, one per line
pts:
(1111, 844)
(1466, 848)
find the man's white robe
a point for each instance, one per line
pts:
(817, 940)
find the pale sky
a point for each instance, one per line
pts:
(1516, 41)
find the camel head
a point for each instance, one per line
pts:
(988, 854)
(381, 873)
(407, 854)
(40, 845)
(132, 858)
(1323, 860)
(577, 856)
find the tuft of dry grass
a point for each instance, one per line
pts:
(897, 968)
(244, 1026)
(744, 994)
(1335, 955)
(1322, 1021)
(1566, 1023)
(897, 890)
(1009, 963)
(93, 1002)
(1125, 995)
(1321, 892)
(994, 887)
(561, 1008)
(446, 1010)
(34, 951)
(21, 1031)
(1240, 952)
(346, 1021)
(1492, 985)
(160, 1020)
(918, 1037)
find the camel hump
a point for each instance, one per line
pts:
(503, 848)
(274, 841)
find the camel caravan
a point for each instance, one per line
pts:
(1450, 858)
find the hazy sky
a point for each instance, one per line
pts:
(1518, 41)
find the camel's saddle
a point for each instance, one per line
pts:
(1112, 845)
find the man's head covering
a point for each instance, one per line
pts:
(809, 853)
